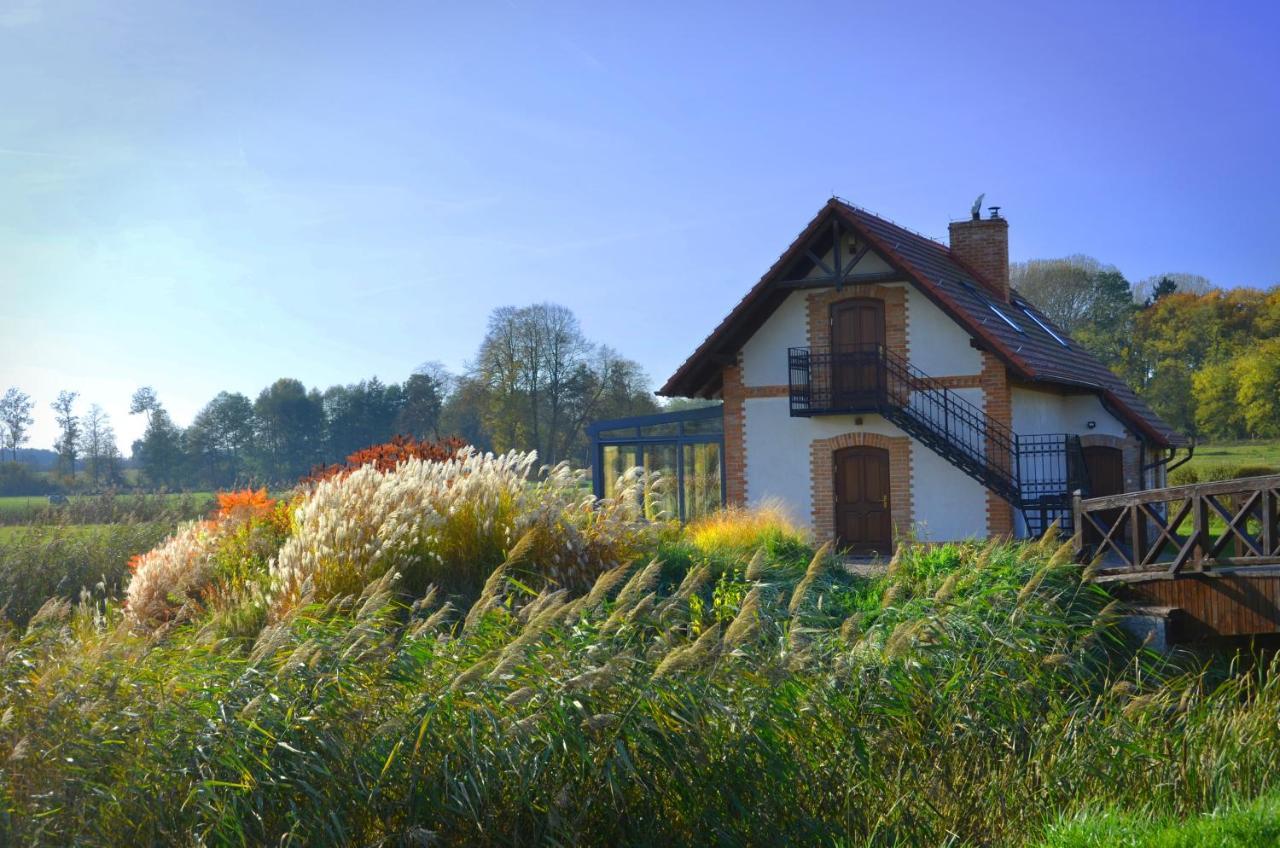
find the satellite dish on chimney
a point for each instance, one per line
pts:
(976, 211)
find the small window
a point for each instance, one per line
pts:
(1042, 325)
(1006, 318)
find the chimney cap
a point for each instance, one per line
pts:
(995, 211)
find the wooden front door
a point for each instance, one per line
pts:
(1105, 467)
(864, 523)
(857, 337)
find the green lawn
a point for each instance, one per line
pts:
(1259, 452)
(1252, 824)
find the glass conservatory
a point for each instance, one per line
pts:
(686, 447)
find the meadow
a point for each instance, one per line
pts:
(469, 652)
(1224, 460)
(101, 509)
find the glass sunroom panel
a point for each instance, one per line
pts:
(660, 497)
(614, 462)
(705, 426)
(702, 491)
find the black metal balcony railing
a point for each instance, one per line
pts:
(1034, 473)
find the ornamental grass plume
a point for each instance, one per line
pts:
(742, 530)
(167, 577)
(451, 523)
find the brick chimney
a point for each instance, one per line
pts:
(983, 245)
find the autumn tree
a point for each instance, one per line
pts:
(1258, 374)
(537, 380)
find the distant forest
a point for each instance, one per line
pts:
(535, 383)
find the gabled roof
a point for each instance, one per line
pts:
(1031, 350)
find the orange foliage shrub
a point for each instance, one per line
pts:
(246, 503)
(387, 456)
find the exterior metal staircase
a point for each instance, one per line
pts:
(1036, 474)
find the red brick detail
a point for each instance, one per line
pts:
(997, 403)
(959, 381)
(983, 246)
(766, 391)
(822, 480)
(735, 435)
(895, 314)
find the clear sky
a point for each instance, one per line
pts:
(210, 196)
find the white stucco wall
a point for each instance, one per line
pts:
(1049, 412)
(946, 504)
(764, 356)
(939, 346)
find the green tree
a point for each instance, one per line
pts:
(360, 415)
(289, 430)
(1107, 327)
(424, 395)
(160, 452)
(219, 440)
(15, 418)
(68, 444)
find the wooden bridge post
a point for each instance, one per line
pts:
(1200, 526)
(1078, 523)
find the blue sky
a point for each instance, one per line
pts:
(206, 197)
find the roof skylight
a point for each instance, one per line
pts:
(1006, 318)
(1042, 325)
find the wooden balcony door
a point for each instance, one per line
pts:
(864, 524)
(857, 337)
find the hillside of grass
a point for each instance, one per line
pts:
(470, 653)
(1227, 460)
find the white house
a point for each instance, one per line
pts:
(880, 384)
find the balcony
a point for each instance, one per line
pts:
(837, 380)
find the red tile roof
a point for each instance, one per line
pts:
(1030, 351)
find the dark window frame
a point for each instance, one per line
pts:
(637, 440)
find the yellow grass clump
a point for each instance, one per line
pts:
(741, 530)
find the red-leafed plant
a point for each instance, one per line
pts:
(388, 455)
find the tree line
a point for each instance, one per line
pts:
(1206, 359)
(535, 383)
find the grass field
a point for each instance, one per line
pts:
(16, 505)
(105, 509)
(1252, 453)
(1244, 826)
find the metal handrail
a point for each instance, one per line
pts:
(870, 378)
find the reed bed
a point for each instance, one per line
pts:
(973, 695)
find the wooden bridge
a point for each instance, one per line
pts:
(1208, 554)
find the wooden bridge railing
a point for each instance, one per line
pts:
(1182, 529)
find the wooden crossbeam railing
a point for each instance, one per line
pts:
(1196, 528)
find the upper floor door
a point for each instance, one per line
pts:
(857, 339)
